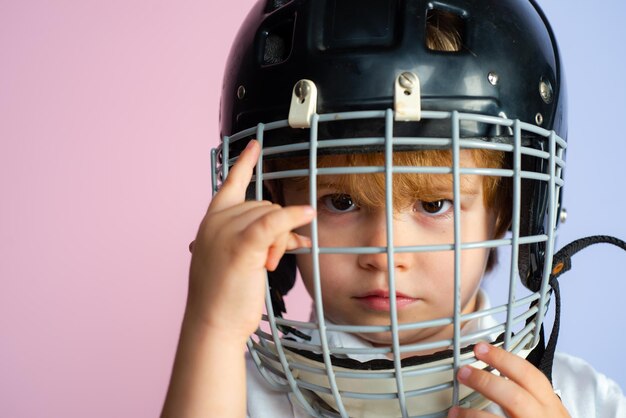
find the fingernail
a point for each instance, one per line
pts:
(464, 373)
(251, 144)
(454, 412)
(308, 210)
(481, 348)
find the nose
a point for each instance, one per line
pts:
(374, 234)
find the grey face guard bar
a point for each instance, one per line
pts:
(323, 378)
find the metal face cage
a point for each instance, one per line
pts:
(325, 377)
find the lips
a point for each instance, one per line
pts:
(378, 300)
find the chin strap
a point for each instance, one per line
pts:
(543, 357)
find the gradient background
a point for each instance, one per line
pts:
(108, 111)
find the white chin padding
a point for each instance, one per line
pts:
(434, 379)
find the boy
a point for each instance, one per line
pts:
(407, 214)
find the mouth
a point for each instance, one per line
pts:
(379, 300)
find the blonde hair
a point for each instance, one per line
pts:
(443, 31)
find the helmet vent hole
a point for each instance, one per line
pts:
(274, 51)
(444, 30)
(276, 43)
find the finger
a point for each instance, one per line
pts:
(242, 208)
(457, 412)
(242, 216)
(266, 230)
(517, 369)
(276, 251)
(506, 393)
(233, 190)
(286, 242)
(298, 241)
(231, 221)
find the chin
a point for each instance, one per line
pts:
(383, 339)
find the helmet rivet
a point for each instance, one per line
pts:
(241, 92)
(545, 91)
(302, 90)
(563, 215)
(407, 81)
(539, 119)
(493, 78)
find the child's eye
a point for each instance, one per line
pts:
(338, 203)
(436, 207)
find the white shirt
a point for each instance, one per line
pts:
(584, 392)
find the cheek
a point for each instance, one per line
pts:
(478, 227)
(440, 266)
(332, 269)
(473, 263)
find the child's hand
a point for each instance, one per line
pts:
(526, 392)
(237, 240)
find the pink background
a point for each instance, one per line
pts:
(108, 111)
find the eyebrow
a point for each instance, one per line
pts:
(466, 189)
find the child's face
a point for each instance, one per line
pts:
(355, 287)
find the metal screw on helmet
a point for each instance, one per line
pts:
(408, 81)
(302, 90)
(563, 215)
(545, 91)
(241, 92)
(493, 78)
(539, 119)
